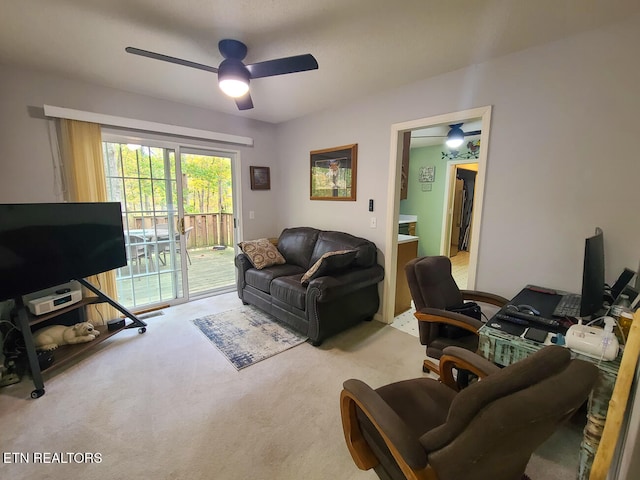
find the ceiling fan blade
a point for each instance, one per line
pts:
(280, 66)
(166, 58)
(466, 134)
(244, 102)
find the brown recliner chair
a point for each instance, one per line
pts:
(424, 429)
(434, 292)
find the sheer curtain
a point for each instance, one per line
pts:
(81, 149)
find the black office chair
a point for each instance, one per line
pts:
(423, 429)
(435, 293)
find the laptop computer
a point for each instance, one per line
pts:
(622, 281)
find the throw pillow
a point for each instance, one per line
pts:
(261, 253)
(330, 262)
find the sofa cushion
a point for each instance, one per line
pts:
(261, 279)
(289, 290)
(296, 245)
(261, 253)
(328, 263)
(330, 241)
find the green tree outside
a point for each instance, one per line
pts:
(136, 177)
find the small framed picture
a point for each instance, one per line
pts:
(427, 174)
(260, 178)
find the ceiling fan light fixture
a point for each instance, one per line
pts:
(233, 74)
(233, 88)
(233, 78)
(455, 137)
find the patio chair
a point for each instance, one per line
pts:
(138, 249)
(166, 246)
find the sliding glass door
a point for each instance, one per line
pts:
(208, 205)
(178, 219)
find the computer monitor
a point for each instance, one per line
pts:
(593, 275)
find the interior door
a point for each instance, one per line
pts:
(456, 217)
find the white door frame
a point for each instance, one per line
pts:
(393, 199)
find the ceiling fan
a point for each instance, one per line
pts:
(233, 75)
(455, 137)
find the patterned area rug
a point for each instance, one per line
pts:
(246, 335)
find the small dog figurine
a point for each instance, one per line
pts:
(50, 338)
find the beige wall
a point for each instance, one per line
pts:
(561, 161)
(576, 97)
(26, 162)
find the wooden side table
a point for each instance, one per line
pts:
(407, 250)
(504, 349)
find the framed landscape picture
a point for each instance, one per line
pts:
(333, 173)
(260, 178)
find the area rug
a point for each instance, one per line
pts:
(246, 335)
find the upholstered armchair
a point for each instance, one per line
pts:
(435, 293)
(425, 429)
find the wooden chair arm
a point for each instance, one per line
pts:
(463, 359)
(435, 315)
(389, 425)
(485, 297)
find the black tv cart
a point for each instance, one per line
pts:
(25, 321)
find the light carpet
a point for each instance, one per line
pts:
(166, 405)
(246, 335)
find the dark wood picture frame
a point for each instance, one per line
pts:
(260, 178)
(333, 173)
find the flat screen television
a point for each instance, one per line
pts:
(593, 288)
(47, 244)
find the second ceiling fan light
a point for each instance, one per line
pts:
(455, 137)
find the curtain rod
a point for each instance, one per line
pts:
(115, 121)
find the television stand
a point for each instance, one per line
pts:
(25, 321)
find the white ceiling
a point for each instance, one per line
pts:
(362, 46)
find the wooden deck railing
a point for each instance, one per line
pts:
(209, 229)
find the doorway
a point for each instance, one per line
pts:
(458, 217)
(483, 114)
(178, 218)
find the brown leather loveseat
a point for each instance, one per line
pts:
(342, 289)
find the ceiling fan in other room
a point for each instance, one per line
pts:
(233, 74)
(455, 137)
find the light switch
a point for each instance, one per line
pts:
(252, 215)
(374, 222)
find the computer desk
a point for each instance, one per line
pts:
(504, 349)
